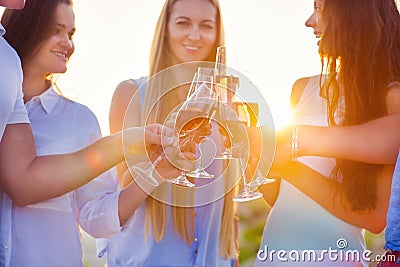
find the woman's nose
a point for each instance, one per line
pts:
(194, 33)
(67, 42)
(310, 22)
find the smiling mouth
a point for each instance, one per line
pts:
(318, 35)
(60, 55)
(192, 48)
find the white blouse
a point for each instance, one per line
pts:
(46, 233)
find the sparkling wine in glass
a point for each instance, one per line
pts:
(202, 103)
(226, 90)
(190, 120)
(195, 112)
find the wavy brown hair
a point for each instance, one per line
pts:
(360, 54)
(27, 28)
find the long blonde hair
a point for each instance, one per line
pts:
(157, 106)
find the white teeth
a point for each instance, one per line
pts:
(193, 48)
(59, 54)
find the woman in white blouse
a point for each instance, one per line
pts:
(46, 233)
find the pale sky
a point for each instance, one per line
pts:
(266, 40)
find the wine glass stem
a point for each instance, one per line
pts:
(152, 167)
(201, 156)
(159, 158)
(245, 189)
(189, 137)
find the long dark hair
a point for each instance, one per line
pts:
(360, 52)
(28, 27)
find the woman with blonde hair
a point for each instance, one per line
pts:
(160, 234)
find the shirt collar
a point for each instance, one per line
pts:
(48, 99)
(2, 30)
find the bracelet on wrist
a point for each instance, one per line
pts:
(295, 143)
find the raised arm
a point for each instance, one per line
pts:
(28, 179)
(375, 142)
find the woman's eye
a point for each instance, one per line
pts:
(71, 34)
(207, 26)
(318, 6)
(183, 23)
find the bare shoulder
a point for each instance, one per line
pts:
(123, 94)
(297, 90)
(121, 99)
(125, 89)
(393, 98)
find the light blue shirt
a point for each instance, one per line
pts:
(131, 248)
(392, 234)
(46, 233)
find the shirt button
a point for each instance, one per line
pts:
(195, 239)
(6, 246)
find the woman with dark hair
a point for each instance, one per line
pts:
(46, 233)
(31, 178)
(360, 55)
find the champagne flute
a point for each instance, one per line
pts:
(260, 178)
(265, 157)
(239, 126)
(147, 171)
(196, 112)
(246, 195)
(226, 90)
(188, 125)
